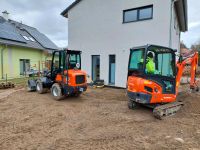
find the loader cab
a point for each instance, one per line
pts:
(65, 60)
(154, 63)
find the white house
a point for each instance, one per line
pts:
(105, 30)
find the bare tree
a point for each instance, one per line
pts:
(182, 45)
(196, 45)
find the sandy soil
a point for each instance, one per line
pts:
(99, 119)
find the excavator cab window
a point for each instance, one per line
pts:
(160, 62)
(136, 62)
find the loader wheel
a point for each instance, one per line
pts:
(56, 92)
(132, 104)
(197, 89)
(77, 94)
(29, 87)
(39, 87)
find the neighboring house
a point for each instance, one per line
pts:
(105, 30)
(22, 48)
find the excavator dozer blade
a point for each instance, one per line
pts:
(165, 110)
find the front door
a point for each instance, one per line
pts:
(112, 69)
(24, 66)
(95, 67)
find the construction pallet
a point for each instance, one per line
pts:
(6, 85)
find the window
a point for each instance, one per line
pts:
(73, 60)
(138, 14)
(96, 67)
(163, 61)
(130, 16)
(137, 60)
(165, 65)
(58, 62)
(25, 37)
(145, 13)
(24, 66)
(112, 67)
(31, 39)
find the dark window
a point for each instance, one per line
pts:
(112, 67)
(162, 62)
(57, 64)
(95, 67)
(138, 14)
(130, 16)
(24, 66)
(136, 60)
(74, 59)
(146, 13)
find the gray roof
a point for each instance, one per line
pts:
(12, 32)
(180, 5)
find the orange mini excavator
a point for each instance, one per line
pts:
(154, 78)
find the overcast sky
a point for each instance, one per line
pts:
(193, 34)
(45, 16)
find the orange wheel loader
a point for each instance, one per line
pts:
(65, 77)
(154, 77)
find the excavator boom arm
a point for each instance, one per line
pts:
(190, 58)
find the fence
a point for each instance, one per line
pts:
(25, 68)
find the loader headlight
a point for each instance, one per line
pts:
(78, 65)
(156, 90)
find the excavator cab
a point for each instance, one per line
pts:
(151, 75)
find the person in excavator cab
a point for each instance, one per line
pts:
(150, 65)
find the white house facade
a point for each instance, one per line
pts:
(105, 30)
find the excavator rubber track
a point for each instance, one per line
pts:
(165, 110)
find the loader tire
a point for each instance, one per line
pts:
(77, 94)
(28, 88)
(39, 87)
(56, 92)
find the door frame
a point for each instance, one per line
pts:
(24, 61)
(109, 71)
(92, 65)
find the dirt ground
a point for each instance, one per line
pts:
(99, 119)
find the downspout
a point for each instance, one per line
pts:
(171, 17)
(2, 61)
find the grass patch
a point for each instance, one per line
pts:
(19, 81)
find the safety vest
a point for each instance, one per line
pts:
(150, 66)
